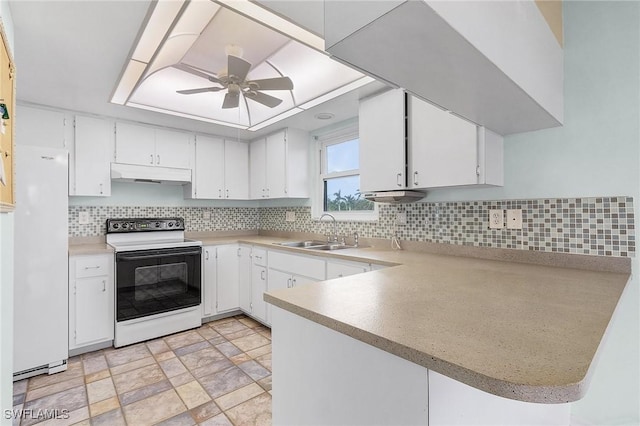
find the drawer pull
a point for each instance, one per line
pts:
(104, 285)
(92, 267)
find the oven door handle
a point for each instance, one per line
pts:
(125, 256)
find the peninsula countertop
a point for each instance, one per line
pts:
(522, 331)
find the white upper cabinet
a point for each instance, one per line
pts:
(93, 153)
(382, 142)
(497, 64)
(236, 170)
(279, 165)
(221, 169)
(42, 127)
(173, 149)
(442, 147)
(407, 143)
(149, 146)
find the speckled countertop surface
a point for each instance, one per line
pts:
(528, 332)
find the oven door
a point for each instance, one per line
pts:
(155, 281)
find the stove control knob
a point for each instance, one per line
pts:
(125, 225)
(116, 226)
(178, 224)
(157, 224)
(170, 224)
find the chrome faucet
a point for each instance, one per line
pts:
(332, 238)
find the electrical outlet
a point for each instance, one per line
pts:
(514, 219)
(401, 218)
(83, 218)
(496, 219)
(206, 215)
(290, 216)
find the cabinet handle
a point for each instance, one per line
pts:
(340, 275)
(151, 162)
(227, 193)
(293, 284)
(207, 254)
(219, 193)
(289, 283)
(262, 275)
(101, 191)
(268, 193)
(158, 158)
(104, 285)
(415, 178)
(92, 267)
(398, 177)
(263, 193)
(239, 252)
(257, 257)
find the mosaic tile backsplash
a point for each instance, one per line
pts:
(601, 226)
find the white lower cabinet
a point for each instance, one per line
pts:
(258, 307)
(340, 268)
(91, 300)
(220, 279)
(244, 278)
(289, 270)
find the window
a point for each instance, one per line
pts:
(339, 191)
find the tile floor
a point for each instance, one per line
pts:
(218, 374)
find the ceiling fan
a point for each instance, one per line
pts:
(234, 80)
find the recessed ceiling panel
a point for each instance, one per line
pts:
(229, 28)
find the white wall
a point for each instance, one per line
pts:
(595, 153)
(6, 275)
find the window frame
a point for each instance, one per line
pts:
(324, 140)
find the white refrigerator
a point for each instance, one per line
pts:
(40, 261)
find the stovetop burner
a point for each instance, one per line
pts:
(147, 234)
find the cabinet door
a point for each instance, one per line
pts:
(39, 127)
(227, 278)
(173, 149)
(209, 171)
(208, 280)
(297, 280)
(258, 287)
(135, 144)
(236, 170)
(340, 269)
(276, 280)
(93, 309)
(244, 289)
(442, 147)
(257, 168)
(382, 142)
(93, 155)
(276, 156)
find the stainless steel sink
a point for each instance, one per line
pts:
(302, 244)
(314, 245)
(331, 247)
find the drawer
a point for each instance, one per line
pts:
(93, 266)
(259, 256)
(344, 269)
(298, 265)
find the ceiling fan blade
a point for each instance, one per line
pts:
(238, 67)
(231, 100)
(203, 90)
(278, 83)
(190, 70)
(263, 99)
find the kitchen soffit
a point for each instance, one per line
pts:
(198, 33)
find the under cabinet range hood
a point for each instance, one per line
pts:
(394, 196)
(149, 174)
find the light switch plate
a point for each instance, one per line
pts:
(290, 216)
(496, 219)
(83, 218)
(514, 219)
(401, 218)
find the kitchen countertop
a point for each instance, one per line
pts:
(522, 331)
(528, 332)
